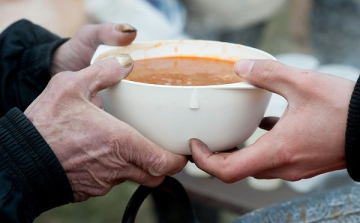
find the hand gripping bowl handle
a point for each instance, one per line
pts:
(169, 190)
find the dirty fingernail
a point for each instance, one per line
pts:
(198, 144)
(243, 67)
(124, 60)
(125, 28)
(191, 143)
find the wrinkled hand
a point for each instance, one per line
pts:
(96, 150)
(76, 53)
(309, 138)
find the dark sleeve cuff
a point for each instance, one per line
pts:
(352, 139)
(36, 170)
(35, 67)
(25, 63)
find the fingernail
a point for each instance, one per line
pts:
(243, 67)
(124, 60)
(125, 28)
(190, 143)
(155, 173)
(197, 143)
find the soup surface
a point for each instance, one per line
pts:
(184, 71)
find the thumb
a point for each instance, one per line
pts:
(105, 73)
(269, 74)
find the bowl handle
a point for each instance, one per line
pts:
(170, 194)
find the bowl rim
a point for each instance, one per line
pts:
(239, 85)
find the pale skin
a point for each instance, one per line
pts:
(308, 140)
(96, 150)
(76, 53)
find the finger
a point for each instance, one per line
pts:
(270, 173)
(206, 160)
(264, 176)
(97, 101)
(232, 150)
(109, 34)
(155, 160)
(105, 73)
(268, 123)
(293, 172)
(279, 173)
(142, 177)
(231, 167)
(271, 75)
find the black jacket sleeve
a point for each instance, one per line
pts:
(352, 139)
(31, 178)
(25, 59)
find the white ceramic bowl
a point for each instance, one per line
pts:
(222, 116)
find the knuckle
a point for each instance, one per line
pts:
(308, 84)
(228, 175)
(103, 191)
(200, 160)
(178, 166)
(102, 66)
(106, 67)
(86, 28)
(62, 76)
(293, 176)
(159, 164)
(229, 180)
(264, 70)
(64, 81)
(283, 158)
(112, 176)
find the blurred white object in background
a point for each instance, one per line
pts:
(340, 70)
(299, 60)
(324, 181)
(213, 15)
(192, 170)
(154, 19)
(308, 185)
(264, 185)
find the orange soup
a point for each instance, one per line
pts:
(184, 71)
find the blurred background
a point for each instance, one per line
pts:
(319, 35)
